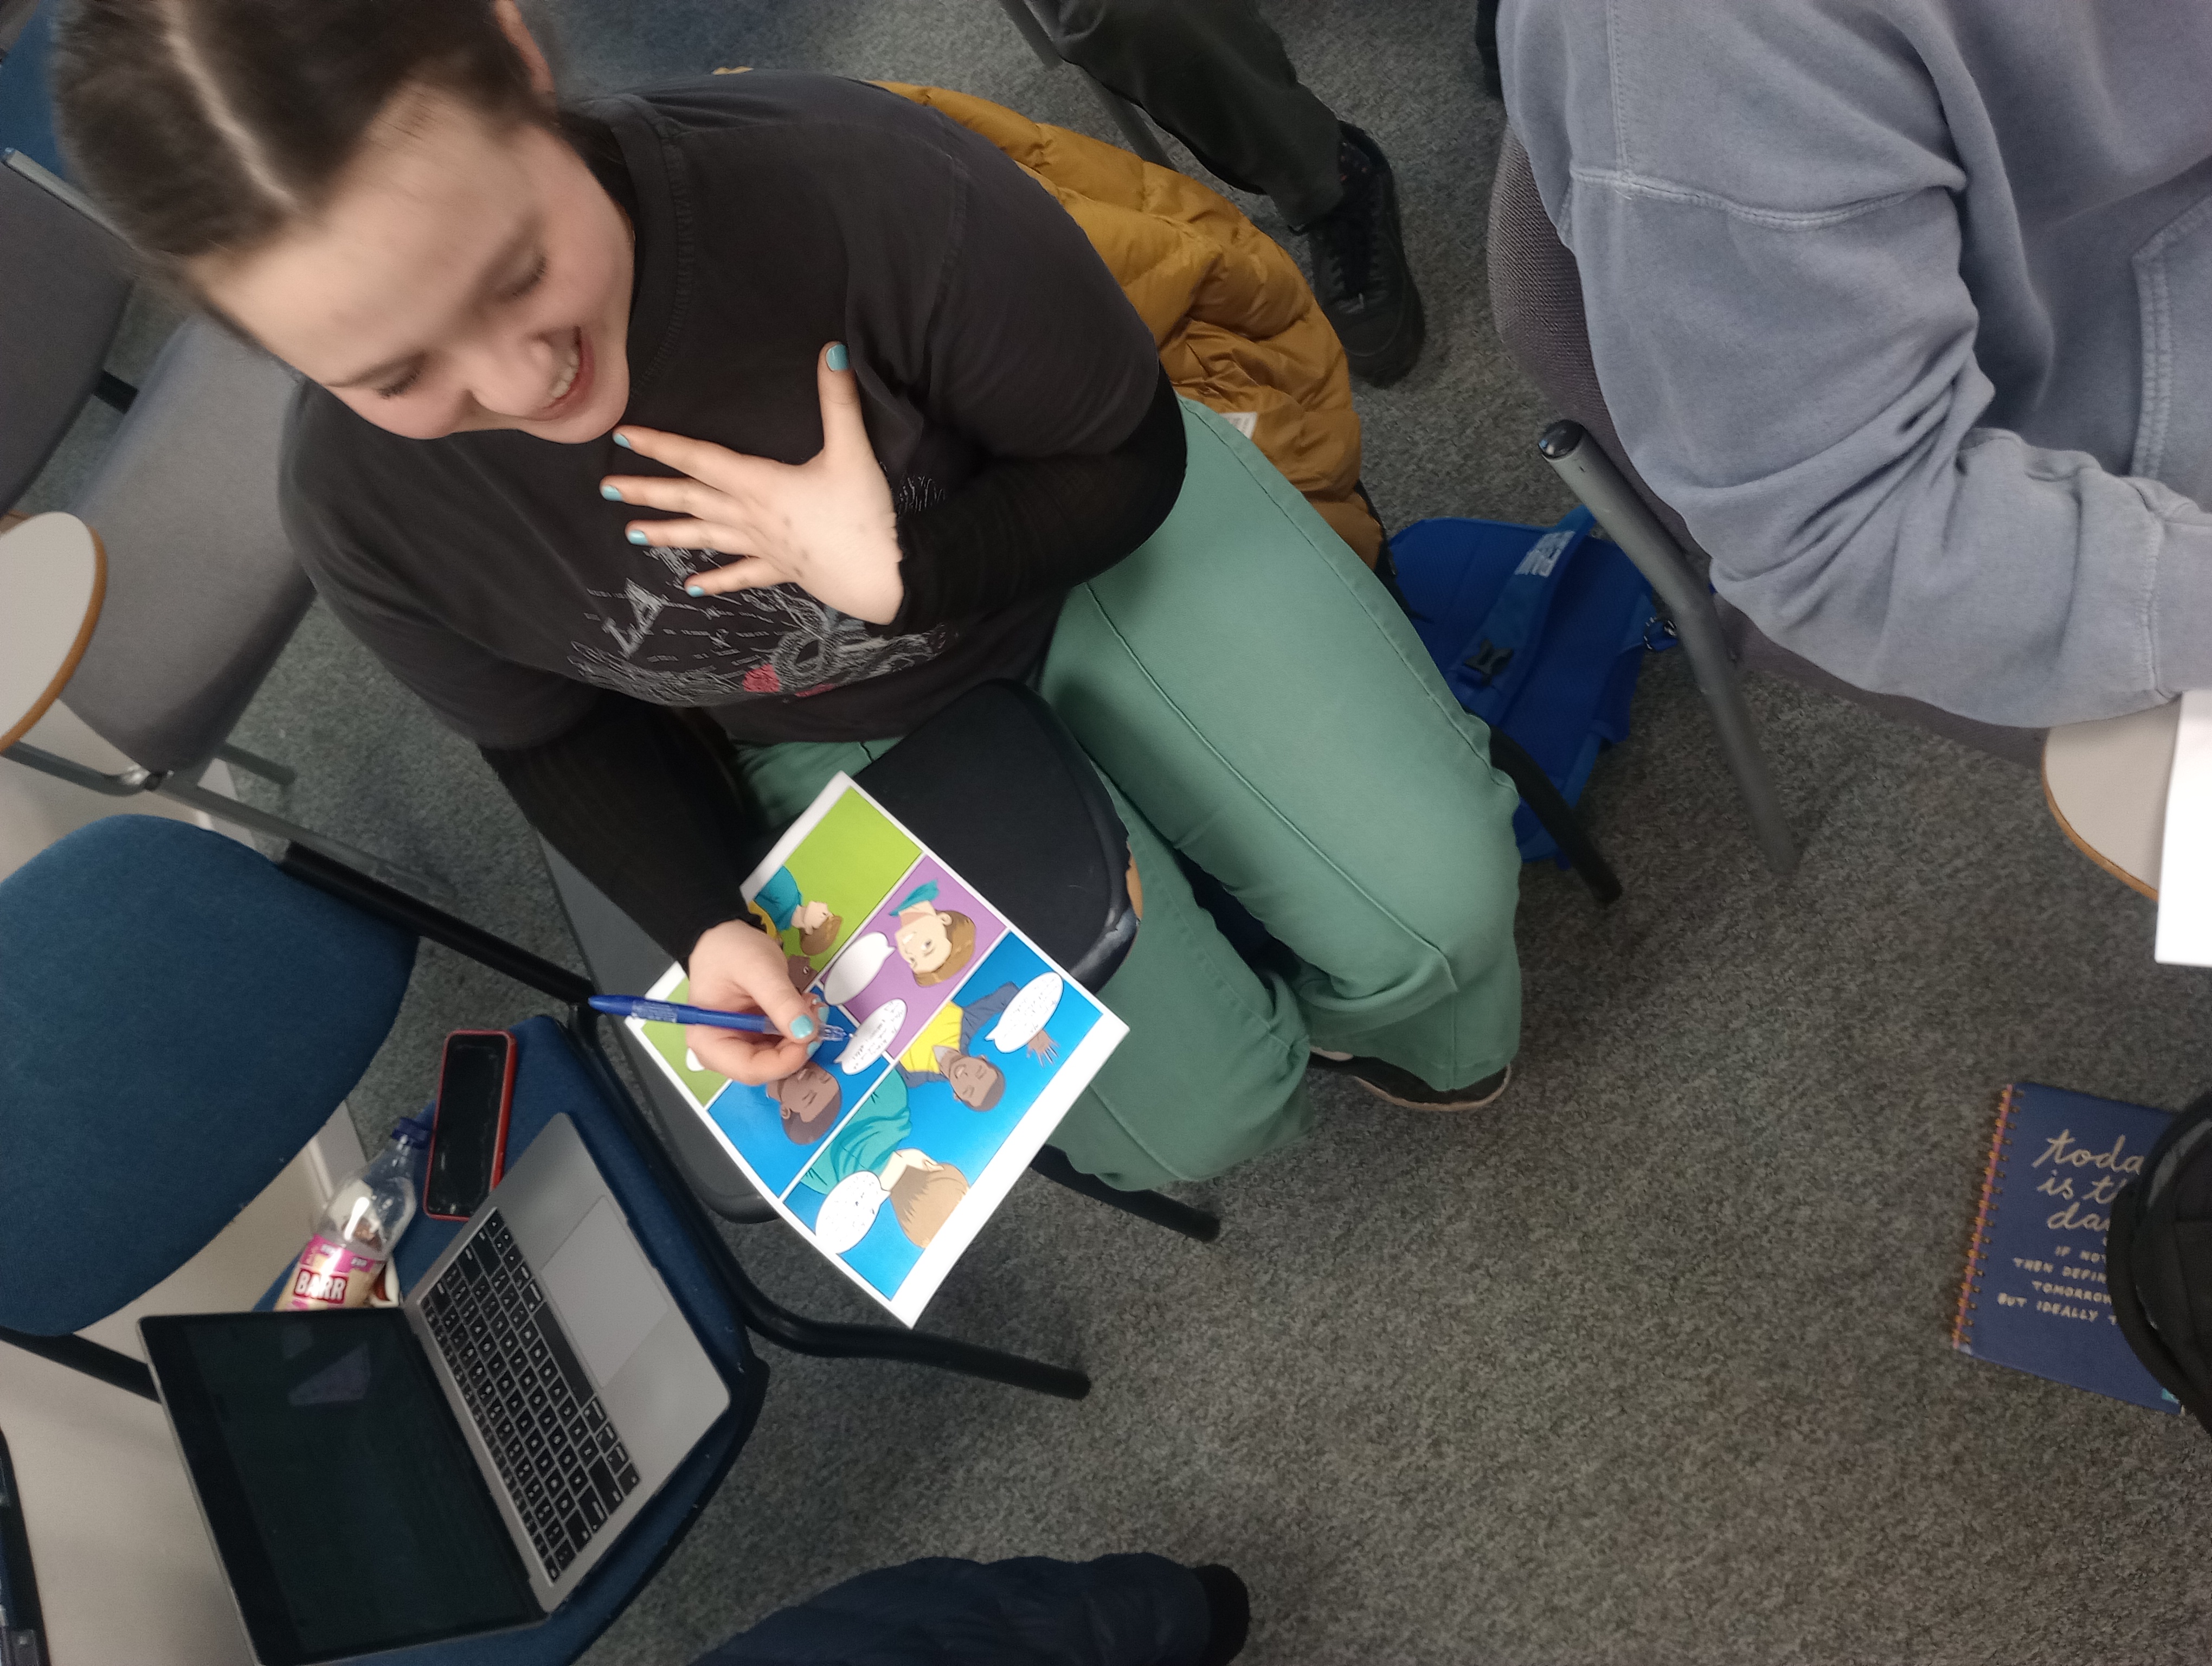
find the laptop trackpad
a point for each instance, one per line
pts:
(609, 1299)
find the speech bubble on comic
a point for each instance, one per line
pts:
(848, 1211)
(856, 968)
(1027, 1012)
(874, 1036)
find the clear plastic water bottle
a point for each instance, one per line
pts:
(358, 1231)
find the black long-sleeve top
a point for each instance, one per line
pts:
(1011, 395)
(641, 797)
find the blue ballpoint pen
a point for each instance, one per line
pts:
(669, 1011)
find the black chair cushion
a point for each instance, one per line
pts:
(996, 785)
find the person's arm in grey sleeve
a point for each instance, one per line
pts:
(1767, 221)
(1802, 389)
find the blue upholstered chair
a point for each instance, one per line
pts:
(179, 1016)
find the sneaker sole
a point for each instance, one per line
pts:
(1488, 1098)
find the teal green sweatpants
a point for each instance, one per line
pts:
(1255, 699)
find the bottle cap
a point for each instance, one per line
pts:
(413, 1131)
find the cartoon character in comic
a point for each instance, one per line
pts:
(944, 1051)
(781, 908)
(809, 1100)
(936, 943)
(871, 1165)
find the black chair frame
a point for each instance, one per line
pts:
(763, 1315)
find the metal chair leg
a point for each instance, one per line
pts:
(260, 821)
(133, 781)
(1590, 475)
(102, 1365)
(255, 763)
(768, 1317)
(1160, 1210)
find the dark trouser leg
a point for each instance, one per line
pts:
(1117, 1611)
(1214, 75)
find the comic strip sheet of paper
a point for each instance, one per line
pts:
(889, 1150)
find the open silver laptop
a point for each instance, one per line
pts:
(381, 1478)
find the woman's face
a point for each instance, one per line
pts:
(463, 277)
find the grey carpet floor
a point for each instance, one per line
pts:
(1647, 1364)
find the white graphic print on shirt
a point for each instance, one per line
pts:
(715, 649)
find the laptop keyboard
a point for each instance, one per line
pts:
(563, 1465)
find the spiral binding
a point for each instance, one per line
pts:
(1962, 1328)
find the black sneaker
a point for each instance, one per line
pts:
(1360, 275)
(1403, 1087)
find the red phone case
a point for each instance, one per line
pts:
(506, 1109)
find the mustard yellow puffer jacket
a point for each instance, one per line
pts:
(1238, 328)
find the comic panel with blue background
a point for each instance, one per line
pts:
(780, 1128)
(893, 1172)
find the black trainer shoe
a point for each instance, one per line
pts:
(1403, 1087)
(1360, 275)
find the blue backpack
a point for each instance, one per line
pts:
(1540, 632)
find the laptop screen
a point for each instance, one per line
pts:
(347, 1510)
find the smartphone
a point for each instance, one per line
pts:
(468, 1137)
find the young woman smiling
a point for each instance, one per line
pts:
(684, 447)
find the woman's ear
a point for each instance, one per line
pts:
(533, 60)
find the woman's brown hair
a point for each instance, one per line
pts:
(210, 125)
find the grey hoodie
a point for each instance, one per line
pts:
(1905, 306)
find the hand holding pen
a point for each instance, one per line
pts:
(740, 970)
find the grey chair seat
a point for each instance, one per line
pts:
(68, 280)
(202, 591)
(189, 488)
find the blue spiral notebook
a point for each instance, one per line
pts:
(2035, 1297)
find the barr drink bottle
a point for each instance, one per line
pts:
(357, 1232)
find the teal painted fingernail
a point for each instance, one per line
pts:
(623, 442)
(693, 590)
(838, 359)
(612, 493)
(801, 1029)
(634, 536)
